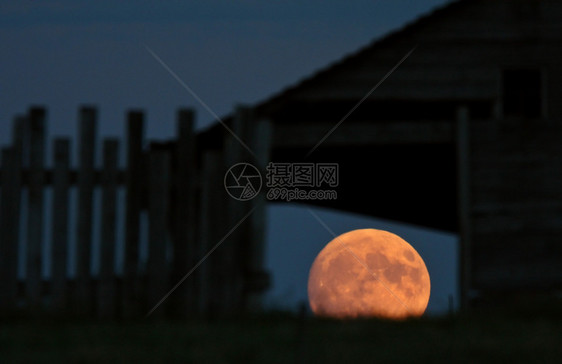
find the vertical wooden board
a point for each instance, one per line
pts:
(6, 297)
(257, 280)
(463, 180)
(35, 206)
(212, 229)
(59, 213)
(158, 207)
(186, 253)
(8, 242)
(106, 296)
(134, 180)
(235, 246)
(10, 216)
(4, 154)
(86, 156)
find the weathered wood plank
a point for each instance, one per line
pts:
(500, 264)
(537, 220)
(12, 160)
(257, 280)
(6, 301)
(211, 230)
(8, 242)
(106, 282)
(363, 133)
(464, 205)
(87, 150)
(497, 277)
(235, 247)
(462, 53)
(187, 298)
(483, 208)
(35, 218)
(404, 90)
(158, 209)
(59, 213)
(435, 72)
(134, 191)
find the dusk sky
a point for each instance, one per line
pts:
(64, 54)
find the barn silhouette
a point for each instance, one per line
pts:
(463, 136)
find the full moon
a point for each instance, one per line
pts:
(368, 273)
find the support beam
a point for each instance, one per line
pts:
(363, 133)
(464, 206)
(236, 246)
(256, 278)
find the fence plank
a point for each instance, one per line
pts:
(257, 280)
(106, 284)
(87, 133)
(35, 206)
(7, 296)
(9, 229)
(158, 203)
(235, 152)
(187, 298)
(59, 243)
(212, 229)
(134, 179)
(10, 216)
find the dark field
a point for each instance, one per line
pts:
(280, 338)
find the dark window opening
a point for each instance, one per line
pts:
(522, 93)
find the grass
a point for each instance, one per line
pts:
(281, 338)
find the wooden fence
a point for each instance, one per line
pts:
(177, 185)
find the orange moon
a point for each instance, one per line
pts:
(368, 273)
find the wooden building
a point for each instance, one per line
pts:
(465, 135)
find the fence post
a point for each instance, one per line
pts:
(35, 206)
(236, 150)
(186, 297)
(8, 250)
(212, 230)
(134, 179)
(106, 283)
(256, 279)
(86, 174)
(12, 160)
(59, 244)
(158, 207)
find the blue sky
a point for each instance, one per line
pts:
(66, 53)
(63, 54)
